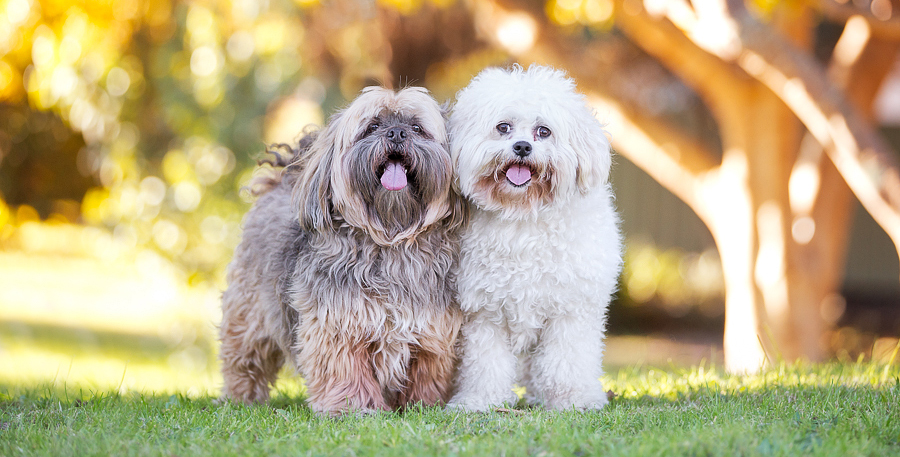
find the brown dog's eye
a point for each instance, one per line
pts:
(503, 127)
(371, 128)
(417, 128)
(543, 132)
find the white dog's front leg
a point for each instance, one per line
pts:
(567, 365)
(487, 369)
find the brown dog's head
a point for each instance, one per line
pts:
(381, 165)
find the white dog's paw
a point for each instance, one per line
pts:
(594, 405)
(468, 405)
(475, 404)
(578, 402)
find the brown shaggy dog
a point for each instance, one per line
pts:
(345, 267)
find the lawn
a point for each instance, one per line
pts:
(119, 359)
(832, 409)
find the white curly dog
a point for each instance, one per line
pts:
(541, 257)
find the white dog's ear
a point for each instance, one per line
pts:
(445, 108)
(312, 193)
(592, 150)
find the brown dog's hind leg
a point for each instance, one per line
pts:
(250, 362)
(248, 377)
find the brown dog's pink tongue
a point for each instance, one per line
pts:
(518, 174)
(394, 177)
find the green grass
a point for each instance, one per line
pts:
(833, 409)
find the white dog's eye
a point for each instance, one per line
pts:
(371, 128)
(417, 128)
(543, 132)
(503, 127)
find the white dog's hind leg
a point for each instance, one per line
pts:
(566, 367)
(488, 367)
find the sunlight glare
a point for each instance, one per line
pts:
(882, 9)
(770, 261)
(153, 190)
(187, 196)
(204, 61)
(117, 82)
(17, 11)
(803, 186)
(852, 42)
(516, 32)
(240, 45)
(803, 229)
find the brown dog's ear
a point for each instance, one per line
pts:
(312, 191)
(459, 211)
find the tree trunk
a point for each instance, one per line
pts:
(730, 204)
(793, 277)
(816, 265)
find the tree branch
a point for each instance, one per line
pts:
(673, 160)
(860, 155)
(842, 12)
(712, 78)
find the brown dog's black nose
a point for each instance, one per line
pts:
(522, 148)
(396, 134)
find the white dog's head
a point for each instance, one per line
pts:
(522, 140)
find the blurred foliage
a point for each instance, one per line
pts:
(147, 114)
(587, 13)
(673, 280)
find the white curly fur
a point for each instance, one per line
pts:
(539, 262)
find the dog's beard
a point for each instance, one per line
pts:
(426, 169)
(501, 186)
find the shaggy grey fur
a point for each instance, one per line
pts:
(365, 312)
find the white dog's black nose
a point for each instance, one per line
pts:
(522, 148)
(396, 134)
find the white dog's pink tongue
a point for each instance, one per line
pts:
(394, 177)
(518, 174)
